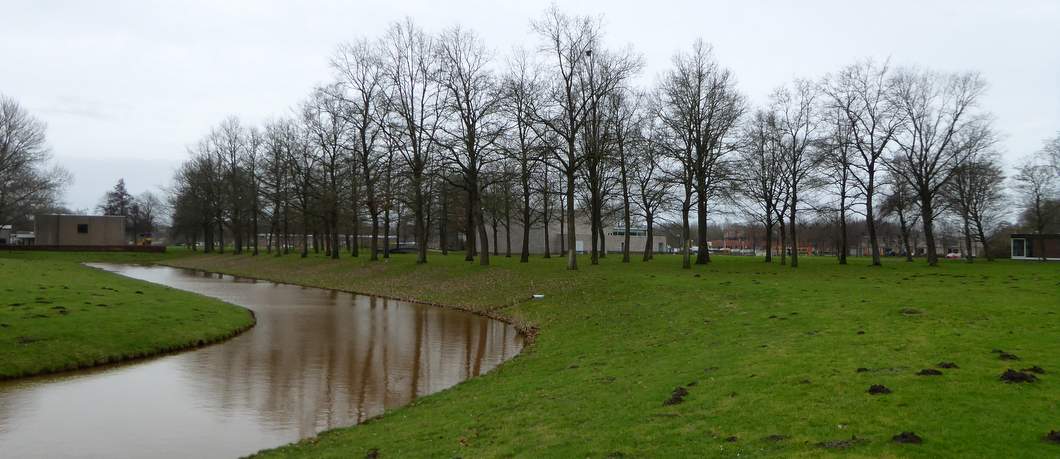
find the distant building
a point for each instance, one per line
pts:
(79, 230)
(614, 238)
(1035, 246)
(8, 237)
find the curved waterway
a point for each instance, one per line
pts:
(317, 359)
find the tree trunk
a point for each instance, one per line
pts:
(794, 237)
(524, 251)
(420, 227)
(926, 214)
(254, 224)
(471, 229)
(496, 245)
(374, 256)
(220, 236)
(905, 238)
(703, 254)
(443, 222)
(649, 248)
(843, 247)
(335, 232)
(305, 234)
(769, 240)
(783, 242)
(355, 246)
(572, 255)
(479, 221)
(603, 241)
(686, 235)
(983, 241)
(870, 221)
(386, 233)
(507, 223)
(594, 231)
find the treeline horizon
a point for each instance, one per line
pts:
(437, 128)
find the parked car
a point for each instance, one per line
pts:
(953, 255)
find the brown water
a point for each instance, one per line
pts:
(317, 359)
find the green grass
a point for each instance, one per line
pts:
(762, 350)
(57, 315)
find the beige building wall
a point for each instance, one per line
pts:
(88, 230)
(536, 244)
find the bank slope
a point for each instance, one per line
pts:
(737, 357)
(57, 315)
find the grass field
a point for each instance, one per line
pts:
(57, 315)
(774, 361)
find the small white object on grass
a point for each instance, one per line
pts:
(538, 296)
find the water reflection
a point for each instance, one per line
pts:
(317, 359)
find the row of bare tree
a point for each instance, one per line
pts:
(422, 126)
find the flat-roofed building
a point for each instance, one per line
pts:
(79, 230)
(1035, 246)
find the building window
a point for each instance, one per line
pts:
(640, 232)
(1017, 247)
(82, 228)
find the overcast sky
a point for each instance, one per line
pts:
(125, 86)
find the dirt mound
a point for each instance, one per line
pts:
(907, 437)
(1052, 437)
(1013, 376)
(731, 439)
(1034, 369)
(776, 437)
(677, 396)
(929, 372)
(372, 454)
(947, 365)
(1007, 356)
(861, 370)
(877, 389)
(842, 444)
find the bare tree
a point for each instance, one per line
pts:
(27, 182)
(1036, 182)
(650, 186)
(605, 74)
(253, 156)
(940, 133)
(860, 94)
(474, 102)
(700, 103)
(415, 99)
(628, 122)
(761, 176)
(228, 143)
(327, 126)
(1051, 151)
(837, 150)
(277, 181)
(146, 213)
(522, 87)
(976, 194)
(305, 163)
(901, 201)
(567, 42)
(798, 122)
(361, 75)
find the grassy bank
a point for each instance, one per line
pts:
(57, 315)
(774, 361)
